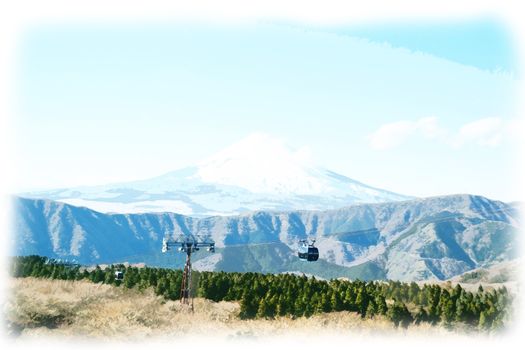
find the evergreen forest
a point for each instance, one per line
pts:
(277, 295)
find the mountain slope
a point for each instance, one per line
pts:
(257, 173)
(433, 238)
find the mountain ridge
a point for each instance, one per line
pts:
(434, 238)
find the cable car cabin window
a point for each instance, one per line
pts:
(313, 254)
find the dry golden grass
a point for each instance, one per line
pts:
(39, 307)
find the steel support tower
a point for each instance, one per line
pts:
(187, 244)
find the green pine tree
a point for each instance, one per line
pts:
(399, 314)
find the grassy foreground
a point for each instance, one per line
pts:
(268, 296)
(39, 307)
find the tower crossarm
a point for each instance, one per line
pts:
(187, 243)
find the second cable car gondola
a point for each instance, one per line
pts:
(119, 275)
(307, 251)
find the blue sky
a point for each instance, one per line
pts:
(482, 43)
(419, 109)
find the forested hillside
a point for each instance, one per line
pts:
(270, 296)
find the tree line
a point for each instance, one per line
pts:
(274, 295)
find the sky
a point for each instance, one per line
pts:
(420, 109)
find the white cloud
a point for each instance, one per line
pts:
(484, 132)
(429, 128)
(393, 134)
(488, 132)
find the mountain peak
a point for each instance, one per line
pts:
(260, 172)
(262, 164)
(262, 147)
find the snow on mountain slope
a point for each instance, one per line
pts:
(257, 173)
(262, 164)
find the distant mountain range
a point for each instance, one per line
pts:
(257, 173)
(419, 239)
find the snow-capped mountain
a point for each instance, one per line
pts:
(257, 173)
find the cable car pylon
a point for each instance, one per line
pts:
(187, 244)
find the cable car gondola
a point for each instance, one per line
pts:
(307, 251)
(119, 275)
